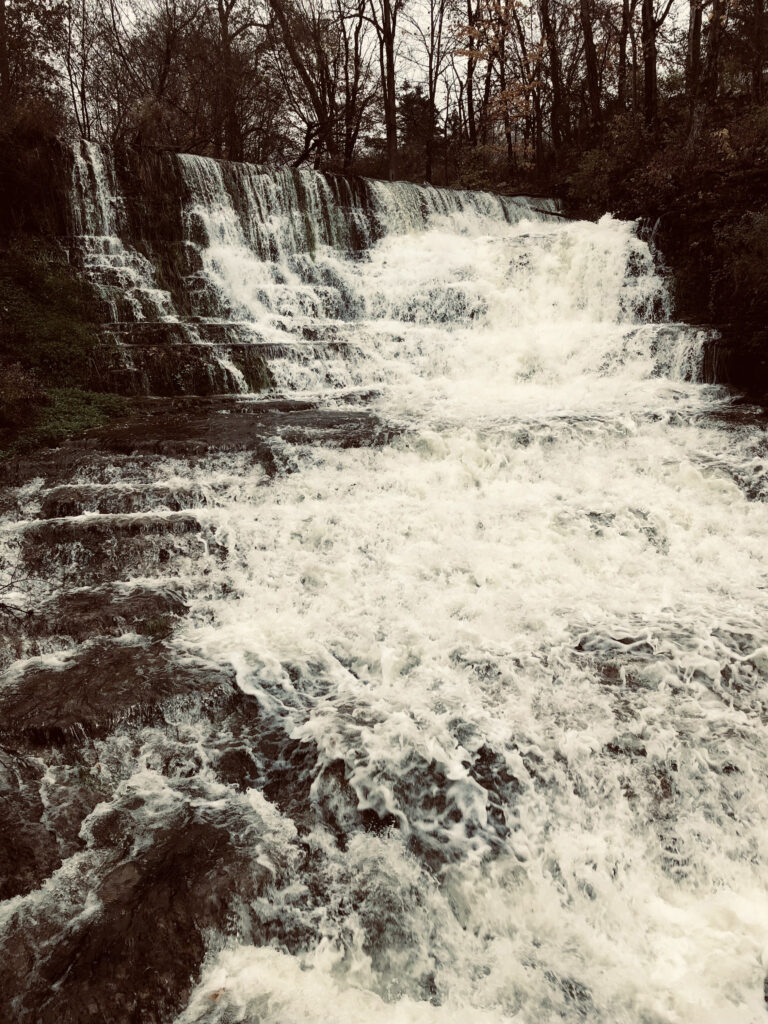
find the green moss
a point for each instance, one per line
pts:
(47, 319)
(70, 411)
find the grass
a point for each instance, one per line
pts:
(48, 337)
(68, 411)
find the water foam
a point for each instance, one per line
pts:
(510, 668)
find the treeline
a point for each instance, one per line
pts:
(476, 91)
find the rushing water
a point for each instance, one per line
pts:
(511, 756)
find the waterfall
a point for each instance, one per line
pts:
(409, 661)
(266, 265)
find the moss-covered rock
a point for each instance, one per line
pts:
(48, 315)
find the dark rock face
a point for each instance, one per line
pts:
(85, 692)
(134, 956)
(35, 183)
(92, 549)
(28, 849)
(85, 612)
(181, 369)
(710, 239)
(196, 427)
(739, 358)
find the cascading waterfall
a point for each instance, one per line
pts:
(462, 716)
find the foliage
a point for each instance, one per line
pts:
(66, 411)
(743, 250)
(600, 176)
(47, 319)
(47, 340)
(20, 396)
(509, 93)
(30, 36)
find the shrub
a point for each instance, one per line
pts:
(20, 397)
(602, 178)
(743, 249)
(47, 319)
(63, 412)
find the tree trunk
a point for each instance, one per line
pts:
(714, 41)
(559, 126)
(622, 72)
(503, 88)
(486, 101)
(590, 54)
(693, 53)
(5, 60)
(471, 123)
(537, 132)
(386, 27)
(650, 79)
(709, 79)
(758, 16)
(429, 142)
(390, 97)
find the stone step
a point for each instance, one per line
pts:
(193, 427)
(72, 616)
(254, 428)
(182, 369)
(100, 548)
(78, 499)
(87, 691)
(277, 343)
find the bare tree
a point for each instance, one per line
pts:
(384, 16)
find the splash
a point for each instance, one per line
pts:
(494, 747)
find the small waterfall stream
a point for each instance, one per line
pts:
(409, 663)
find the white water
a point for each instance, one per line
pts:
(534, 631)
(530, 634)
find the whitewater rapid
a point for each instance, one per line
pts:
(511, 661)
(532, 631)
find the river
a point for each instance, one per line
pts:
(494, 747)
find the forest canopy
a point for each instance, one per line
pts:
(478, 92)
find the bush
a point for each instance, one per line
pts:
(32, 119)
(589, 187)
(743, 250)
(47, 319)
(62, 412)
(20, 397)
(602, 178)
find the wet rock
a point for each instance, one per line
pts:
(737, 357)
(70, 793)
(188, 369)
(159, 895)
(335, 802)
(248, 429)
(192, 427)
(28, 849)
(237, 767)
(65, 697)
(78, 499)
(99, 547)
(68, 530)
(74, 616)
(112, 610)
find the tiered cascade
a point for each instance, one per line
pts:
(404, 658)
